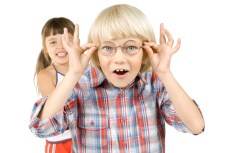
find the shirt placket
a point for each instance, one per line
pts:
(112, 116)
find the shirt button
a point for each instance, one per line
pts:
(92, 123)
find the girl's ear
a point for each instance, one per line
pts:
(45, 53)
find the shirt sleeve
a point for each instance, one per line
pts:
(55, 124)
(166, 108)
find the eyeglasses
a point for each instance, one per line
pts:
(129, 48)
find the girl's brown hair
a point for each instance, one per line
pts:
(52, 27)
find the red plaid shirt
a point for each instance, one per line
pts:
(106, 119)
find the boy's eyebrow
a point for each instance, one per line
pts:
(130, 40)
(107, 42)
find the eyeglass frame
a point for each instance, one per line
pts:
(123, 49)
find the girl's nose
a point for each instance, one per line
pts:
(60, 45)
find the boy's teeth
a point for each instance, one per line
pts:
(120, 70)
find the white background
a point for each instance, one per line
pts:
(201, 65)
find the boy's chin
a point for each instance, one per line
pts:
(120, 84)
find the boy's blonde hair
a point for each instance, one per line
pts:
(121, 21)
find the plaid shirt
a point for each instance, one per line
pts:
(106, 119)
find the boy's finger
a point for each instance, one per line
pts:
(66, 36)
(162, 34)
(153, 46)
(65, 39)
(177, 47)
(170, 38)
(76, 39)
(90, 51)
(149, 50)
(87, 54)
(87, 46)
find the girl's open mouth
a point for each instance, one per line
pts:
(61, 54)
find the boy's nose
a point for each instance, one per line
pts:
(119, 56)
(118, 52)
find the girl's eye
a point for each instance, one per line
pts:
(53, 42)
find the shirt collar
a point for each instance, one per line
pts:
(96, 77)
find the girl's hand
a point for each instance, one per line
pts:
(78, 56)
(160, 55)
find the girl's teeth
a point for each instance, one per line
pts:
(61, 54)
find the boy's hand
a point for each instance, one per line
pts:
(160, 55)
(78, 56)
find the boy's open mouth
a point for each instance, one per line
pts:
(120, 71)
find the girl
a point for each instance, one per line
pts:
(119, 106)
(51, 67)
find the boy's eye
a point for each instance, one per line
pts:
(131, 48)
(107, 48)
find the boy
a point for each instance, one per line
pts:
(121, 104)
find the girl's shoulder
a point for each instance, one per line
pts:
(47, 73)
(46, 81)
